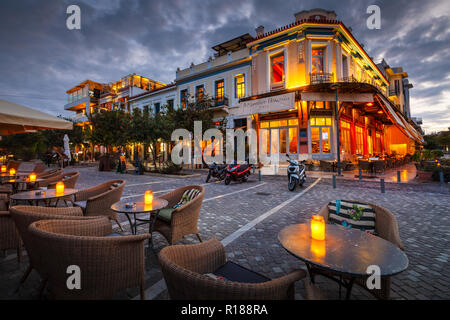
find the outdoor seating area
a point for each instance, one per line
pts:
(49, 229)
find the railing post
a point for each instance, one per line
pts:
(382, 185)
(398, 177)
(334, 182)
(259, 175)
(441, 176)
(360, 174)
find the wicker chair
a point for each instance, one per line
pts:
(9, 236)
(184, 268)
(23, 216)
(69, 179)
(326, 165)
(49, 173)
(49, 180)
(364, 165)
(184, 219)
(107, 263)
(97, 200)
(386, 227)
(379, 166)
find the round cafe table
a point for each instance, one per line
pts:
(34, 196)
(17, 182)
(140, 208)
(344, 252)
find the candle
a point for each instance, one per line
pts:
(12, 172)
(60, 187)
(148, 197)
(32, 177)
(317, 227)
(3, 168)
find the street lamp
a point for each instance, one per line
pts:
(334, 87)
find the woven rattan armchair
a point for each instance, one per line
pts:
(364, 165)
(49, 173)
(50, 180)
(9, 236)
(23, 216)
(69, 179)
(97, 200)
(184, 268)
(379, 166)
(386, 227)
(184, 219)
(107, 264)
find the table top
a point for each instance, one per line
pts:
(346, 251)
(140, 206)
(45, 194)
(22, 181)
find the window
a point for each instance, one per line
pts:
(277, 63)
(359, 140)
(317, 61)
(219, 89)
(320, 121)
(170, 103)
(183, 98)
(239, 86)
(344, 66)
(157, 107)
(345, 140)
(199, 92)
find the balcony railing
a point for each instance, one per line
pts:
(316, 78)
(219, 102)
(393, 93)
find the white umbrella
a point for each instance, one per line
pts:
(66, 147)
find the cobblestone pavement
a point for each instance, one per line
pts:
(422, 216)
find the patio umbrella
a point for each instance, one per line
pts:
(66, 147)
(15, 118)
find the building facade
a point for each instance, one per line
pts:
(312, 82)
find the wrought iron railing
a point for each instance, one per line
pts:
(315, 78)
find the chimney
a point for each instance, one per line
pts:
(259, 31)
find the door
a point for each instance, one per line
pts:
(321, 142)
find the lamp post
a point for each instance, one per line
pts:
(336, 118)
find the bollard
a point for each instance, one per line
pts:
(259, 175)
(398, 177)
(360, 174)
(441, 176)
(334, 182)
(382, 185)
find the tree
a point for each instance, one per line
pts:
(109, 128)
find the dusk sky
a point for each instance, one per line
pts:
(40, 58)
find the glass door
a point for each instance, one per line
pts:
(321, 141)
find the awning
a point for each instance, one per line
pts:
(15, 118)
(399, 120)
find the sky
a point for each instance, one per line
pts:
(40, 58)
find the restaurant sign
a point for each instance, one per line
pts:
(264, 105)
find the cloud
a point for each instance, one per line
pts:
(40, 58)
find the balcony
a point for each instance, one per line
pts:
(316, 78)
(219, 102)
(79, 117)
(393, 93)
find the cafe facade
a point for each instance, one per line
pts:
(312, 82)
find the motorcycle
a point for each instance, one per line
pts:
(296, 173)
(237, 172)
(217, 171)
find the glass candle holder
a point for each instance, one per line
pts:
(317, 227)
(148, 197)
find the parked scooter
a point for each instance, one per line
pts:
(217, 171)
(296, 173)
(237, 172)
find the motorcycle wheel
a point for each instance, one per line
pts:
(208, 177)
(292, 184)
(227, 180)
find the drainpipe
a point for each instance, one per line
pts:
(336, 117)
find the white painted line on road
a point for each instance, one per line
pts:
(160, 286)
(264, 216)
